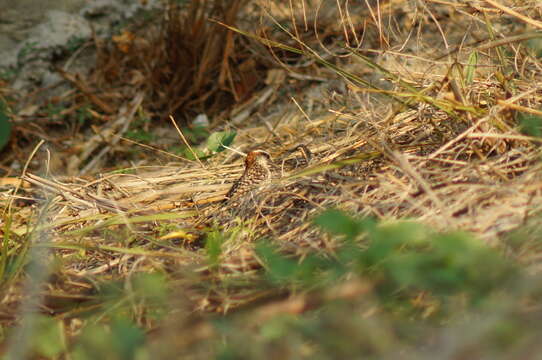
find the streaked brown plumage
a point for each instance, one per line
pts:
(257, 171)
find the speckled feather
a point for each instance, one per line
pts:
(257, 171)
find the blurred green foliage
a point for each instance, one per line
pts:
(120, 340)
(406, 257)
(144, 289)
(530, 124)
(535, 45)
(49, 338)
(400, 259)
(139, 130)
(423, 282)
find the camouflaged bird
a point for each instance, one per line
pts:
(257, 171)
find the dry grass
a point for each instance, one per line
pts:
(411, 133)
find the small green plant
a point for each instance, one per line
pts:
(195, 134)
(8, 73)
(401, 260)
(139, 130)
(54, 111)
(83, 114)
(49, 337)
(74, 43)
(121, 339)
(28, 50)
(312, 271)
(215, 143)
(406, 258)
(141, 136)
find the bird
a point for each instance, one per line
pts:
(257, 171)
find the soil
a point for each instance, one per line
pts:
(41, 27)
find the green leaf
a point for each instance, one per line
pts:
(151, 287)
(283, 270)
(48, 340)
(216, 140)
(215, 143)
(530, 124)
(386, 240)
(193, 154)
(471, 67)
(120, 340)
(338, 223)
(5, 125)
(127, 338)
(213, 246)
(278, 267)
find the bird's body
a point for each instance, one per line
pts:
(257, 171)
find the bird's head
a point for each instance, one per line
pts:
(259, 157)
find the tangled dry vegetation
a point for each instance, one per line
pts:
(398, 127)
